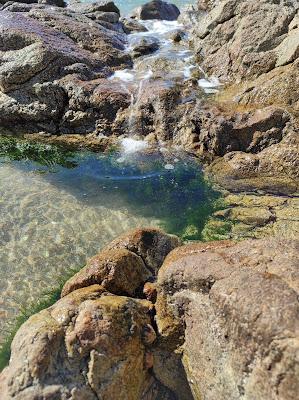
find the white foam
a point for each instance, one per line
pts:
(169, 166)
(130, 145)
(161, 27)
(209, 83)
(187, 70)
(124, 75)
(147, 74)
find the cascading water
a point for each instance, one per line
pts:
(179, 67)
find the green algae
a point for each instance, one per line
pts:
(18, 149)
(47, 299)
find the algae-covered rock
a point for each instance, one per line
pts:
(89, 345)
(254, 216)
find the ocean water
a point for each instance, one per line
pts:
(58, 208)
(127, 6)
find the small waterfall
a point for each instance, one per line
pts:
(135, 100)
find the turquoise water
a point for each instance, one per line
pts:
(58, 208)
(126, 6)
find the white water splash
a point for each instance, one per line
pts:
(210, 85)
(124, 75)
(131, 146)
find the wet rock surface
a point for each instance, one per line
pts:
(221, 306)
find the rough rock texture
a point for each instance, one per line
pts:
(233, 308)
(256, 42)
(125, 264)
(250, 136)
(144, 46)
(254, 215)
(87, 346)
(157, 9)
(239, 39)
(119, 271)
(224, 325)
(95, 343)
(54, 64)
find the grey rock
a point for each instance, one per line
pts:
(157, 9)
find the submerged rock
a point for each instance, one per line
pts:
(157, 9)
(145, 46)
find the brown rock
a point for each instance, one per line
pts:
(150, 291)
(119, 271)
(87, 346)
(236, 307)
(151, 244)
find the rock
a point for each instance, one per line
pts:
(119, 271)
(52, 48)
(240, 41)
(273, 170)
(130, 25)
(88, 8)
(254, 216)
(234, 307)
(150, 291)
(178, 36)
(288, 49)
(279, 86)
(151, 244)
(157, 9)
(101, 98)
(220, 130)
(145, 46)
(92, 343)
(74, 348)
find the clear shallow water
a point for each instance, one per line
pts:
(58, 208)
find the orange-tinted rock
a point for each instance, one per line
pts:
(120, 271)
(150, 291)
(151, 244)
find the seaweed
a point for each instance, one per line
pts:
(47, 299)
(18, 149)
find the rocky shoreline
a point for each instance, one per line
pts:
(150, 318)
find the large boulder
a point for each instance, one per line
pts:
(157, 9)
(234, 310)
(239, 40)
(89, 345)
(47, 50)
(95, 342)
